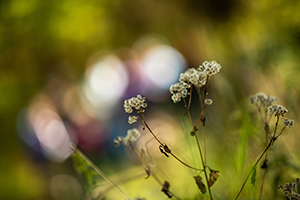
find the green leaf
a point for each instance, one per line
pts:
(200, 184)
(253, 176)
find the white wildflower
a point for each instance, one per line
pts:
(277, 110)
(210, 68)
(138, 103)
(194, 77)
(178, 91)
(132, 119)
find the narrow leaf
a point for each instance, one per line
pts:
(253, 177)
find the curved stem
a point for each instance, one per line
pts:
(269, 145)
(73, 146)
(143, 118)
(185, 163)
(145, 123)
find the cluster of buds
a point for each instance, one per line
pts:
(290, 190)
(262, 100)
(193, 77)
(288, 122)
(277, 110)
(210, 68)
(178, 91)
(138, 103)
(132, 136)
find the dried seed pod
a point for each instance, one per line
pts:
(213, 176)
(165, 189)
(200, 184)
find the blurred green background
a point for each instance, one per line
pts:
(48, 51)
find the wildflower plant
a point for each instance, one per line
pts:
(268, 110)
(195, 81)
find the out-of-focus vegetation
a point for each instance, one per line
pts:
(49, 52)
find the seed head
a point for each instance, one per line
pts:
(132, 119)
(138, 103)
(193, 77)
(277, 110)
(288, 122)
(210, 68)
(178, 91)
(260, 99)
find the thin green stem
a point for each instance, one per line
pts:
(199, 148)
(269, 145)
(89, 162)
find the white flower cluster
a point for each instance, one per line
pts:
(138, 103)
(288, 122)
(132, 119)
(179, 90)
(262, 100)
(210, 68)
(194, 77)
(277, 110)
(132, 136)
